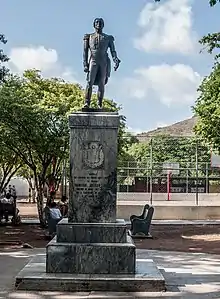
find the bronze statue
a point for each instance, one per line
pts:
(98, 65)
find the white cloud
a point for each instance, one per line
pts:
(167, 27)
(170, 84)
(134, 130)
(46, 60)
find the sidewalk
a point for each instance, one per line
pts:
(187, 275)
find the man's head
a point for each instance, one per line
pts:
(98, 24)
(53, 205)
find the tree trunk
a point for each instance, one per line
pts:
(33, 195)
(40, 207)
(40, 199)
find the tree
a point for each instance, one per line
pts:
(160, 149)
(3, 58)
(10, 163)
(211, 42)
(126, 139)
(207, 108)
(37, 130)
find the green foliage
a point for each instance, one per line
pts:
(207, 108)
(34, 122)
(211, 42)
(9, 165)
(3, 59)
(144, 157)
(213, 2)
(126, 139)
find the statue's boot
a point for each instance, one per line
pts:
(100, 103)
(87, 104)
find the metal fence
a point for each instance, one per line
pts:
(169, 168)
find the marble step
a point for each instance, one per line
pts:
(33, 277)
(91, 258)
(91, 232)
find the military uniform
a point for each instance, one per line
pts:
(99, 64)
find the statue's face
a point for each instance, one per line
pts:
(98, 24)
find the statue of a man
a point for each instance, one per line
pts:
(98, 65)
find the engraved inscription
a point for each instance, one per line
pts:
(88, 185)
(93, 155)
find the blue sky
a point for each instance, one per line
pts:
(157, 43)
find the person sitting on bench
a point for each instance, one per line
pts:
(54, 217)
(55, 213)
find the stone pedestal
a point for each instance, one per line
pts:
(92, 250)
(93, 167)
(91, 232)
(91, 258)
(92, 242)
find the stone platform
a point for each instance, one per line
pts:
(91, 248)
(34, 277)
(92, 232)
(91, 258)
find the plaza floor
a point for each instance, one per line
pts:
(187, 275)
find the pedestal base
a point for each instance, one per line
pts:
(91, 258)
(68, 232)
(33, 277)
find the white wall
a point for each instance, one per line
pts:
(21, 186)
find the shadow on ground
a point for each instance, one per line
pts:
(187, 275)
(188, 238)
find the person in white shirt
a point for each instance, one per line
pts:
(55, 217)
(8, 199)
(55, 212)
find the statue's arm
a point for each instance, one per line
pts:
(85, 50)
(113, 52)
(112, 48)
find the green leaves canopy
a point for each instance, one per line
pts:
(3, 58)
(164, 148)
(207, 108)
(34, 116)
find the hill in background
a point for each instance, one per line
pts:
(182, 128)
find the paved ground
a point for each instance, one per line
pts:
(182, 238)
(188, 276)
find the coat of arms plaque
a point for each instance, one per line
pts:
(93, 155)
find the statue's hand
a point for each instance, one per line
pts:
(86, 68)
(117, 63)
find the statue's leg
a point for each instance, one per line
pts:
(88, 94)
(91, 79)
(101, 86)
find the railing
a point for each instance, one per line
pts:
(169, 168)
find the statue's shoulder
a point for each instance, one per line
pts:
(86, 36)
(111, 38)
